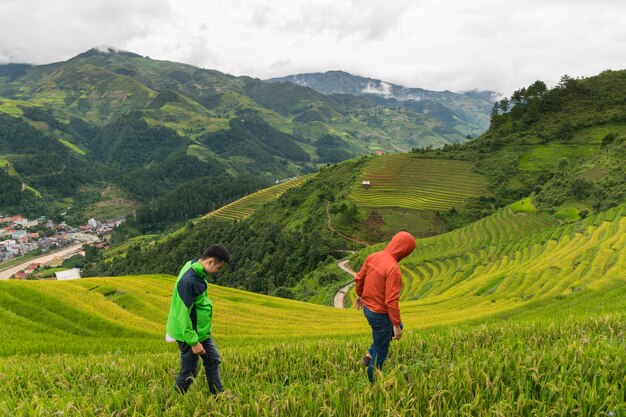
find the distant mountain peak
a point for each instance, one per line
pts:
(107, 50)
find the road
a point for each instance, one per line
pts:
(341, 294)
(41, 260)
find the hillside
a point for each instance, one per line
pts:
(278, 241)
(134, 120)
(287, 247)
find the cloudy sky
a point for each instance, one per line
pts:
(457, 45)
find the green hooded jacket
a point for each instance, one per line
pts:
(191, 310)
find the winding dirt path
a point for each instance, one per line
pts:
(339, 301)
(330, 226)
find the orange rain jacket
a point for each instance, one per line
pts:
(379, 281)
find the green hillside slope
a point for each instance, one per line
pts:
(269, 231)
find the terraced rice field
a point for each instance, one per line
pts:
(245, 206)
(94, 347)
(404, 180)
(510, 259)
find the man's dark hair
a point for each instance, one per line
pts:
(218, 252)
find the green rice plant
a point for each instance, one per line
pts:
(543, 367)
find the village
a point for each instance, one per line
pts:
(36, 241)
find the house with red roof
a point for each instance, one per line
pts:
(32, 267)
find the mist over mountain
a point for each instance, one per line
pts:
(472, 107)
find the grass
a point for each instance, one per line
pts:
(123, 248)
(8, 166)
(31, 189)
(12, 107)
(16, 261)
(49, 272)
(114, 208)
(547, 157)
(568, 214)
(420, 223)
(595, 134)
(507, 259)
(200, 152)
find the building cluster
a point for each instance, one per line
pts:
(20, 236)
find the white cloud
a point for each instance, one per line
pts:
(454, 45)
(384, 89)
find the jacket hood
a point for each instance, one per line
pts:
(401, 245)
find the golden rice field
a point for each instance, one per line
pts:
(405, 180)
(245, 206)
(514, 315)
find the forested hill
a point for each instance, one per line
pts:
(144, 127)
(564, 146)
(546, 178)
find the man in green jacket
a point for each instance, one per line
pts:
(190, 316)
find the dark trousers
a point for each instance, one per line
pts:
(189, 366)
(382, 332)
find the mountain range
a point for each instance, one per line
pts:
(472, 107)
(109, 130)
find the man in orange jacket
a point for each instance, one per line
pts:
(378, 286)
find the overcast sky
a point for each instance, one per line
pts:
(456, 45)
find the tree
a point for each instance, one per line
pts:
(504, 105)
(536, 89)
(565, 82)
(517, 97)
(495, 114)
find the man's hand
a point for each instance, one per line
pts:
(397, 332)
(198, 349)
(358, 304)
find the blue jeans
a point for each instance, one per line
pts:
(189, 366)
(382, 332)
